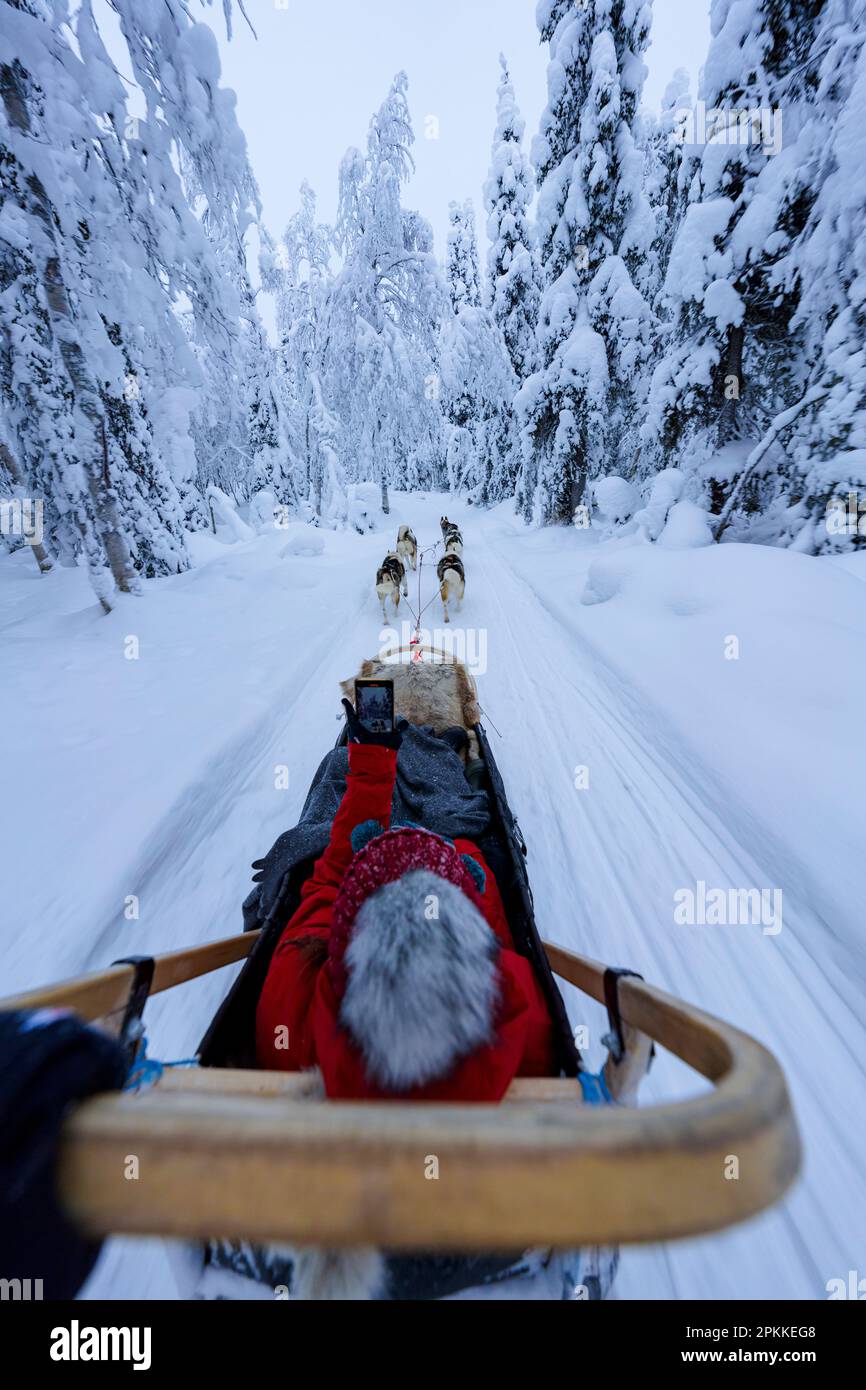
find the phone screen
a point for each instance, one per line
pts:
(374, 705)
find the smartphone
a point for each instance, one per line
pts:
(374, 703)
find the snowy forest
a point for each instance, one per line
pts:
(585, 362)
(647, 309)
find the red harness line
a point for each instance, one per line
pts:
(415, 639)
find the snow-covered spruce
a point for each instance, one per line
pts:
(380, 318)
(595, 232)
(100, 245)
(478, 383)
(759, 392)
(513, 275)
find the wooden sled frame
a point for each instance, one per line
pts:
(258, 1156)
(226, 1152)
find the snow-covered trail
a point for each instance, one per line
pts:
(605, 862)
(193, 870)
(166, 786)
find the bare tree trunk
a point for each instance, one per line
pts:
(733, 369)
(40, 554)
(95, 460)
(386, 506)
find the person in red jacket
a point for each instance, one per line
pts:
(397, 976)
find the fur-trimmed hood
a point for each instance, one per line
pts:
(381, 857)
(421, 987)
(411, 956)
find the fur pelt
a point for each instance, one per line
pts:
(326, 1275)
(435, 694)
(422, 982)
(330, 1275)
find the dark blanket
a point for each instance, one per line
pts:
(48, 1061)
(431, 789)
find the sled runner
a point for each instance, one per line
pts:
(231, 1153)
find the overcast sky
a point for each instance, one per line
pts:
(307, 87)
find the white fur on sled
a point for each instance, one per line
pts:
(422, 988)
(325, 1275)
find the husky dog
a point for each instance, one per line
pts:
(452, 580)
(389, 576)
(451, 536)
(407, 546)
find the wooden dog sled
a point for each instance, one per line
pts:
(228, 1151)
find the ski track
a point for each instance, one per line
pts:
(611, 857)
(603, 863)
(190, 877)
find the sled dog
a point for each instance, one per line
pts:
(451, 536)
(389, 577)
(452, 580)
(407, 546)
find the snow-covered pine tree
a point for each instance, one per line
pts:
(461, 260)
(112, 246)
(828, 266)
(666, 171)
(37, 124)
(191, 155)
(299, 273)
(730, 362)
(595, 234)
(36, 391)
(147, 497)
(512, 267)
(382, 313)
(256, 427)
(513, 291)
(478, 386)
(478, 382)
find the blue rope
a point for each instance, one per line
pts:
(147, 1071)
(594, 1087)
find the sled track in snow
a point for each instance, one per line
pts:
(661, 816)
(171, 853)
(670, 778)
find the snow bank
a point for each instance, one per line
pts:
(751, 659)
(666, 489)
(303, 540)
(615, 498)
(364, 506)
(224, 513)
(687, 526)
(263, 507)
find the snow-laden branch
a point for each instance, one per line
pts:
(779, 423)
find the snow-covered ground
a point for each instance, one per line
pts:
(643, 748)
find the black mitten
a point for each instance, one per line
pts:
(358, 734)
(48, 1060)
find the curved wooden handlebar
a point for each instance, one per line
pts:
(104, 993)
(275, 1165)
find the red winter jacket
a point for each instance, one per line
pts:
(298, 1005)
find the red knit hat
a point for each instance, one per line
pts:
(384, 858)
